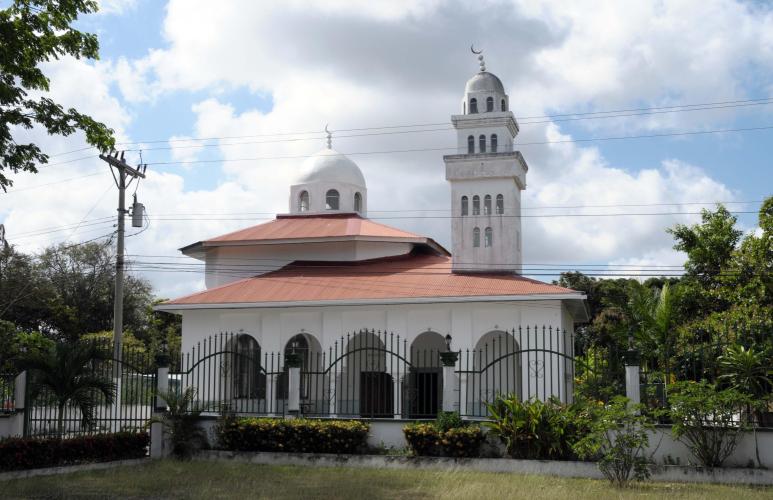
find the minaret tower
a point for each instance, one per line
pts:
(487, 177)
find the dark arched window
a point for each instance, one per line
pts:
(476, 237)
(476, 205)
(487, 205)
(470, 144)
(303, 202)
(473, 105)
(464, 108)
(488, 237)
(500, 204)
(482, 145)
(332, 200)
(493, 143)
(489, 104)
(357, 202)
(504, 106)
(299, 346)
(464, 205)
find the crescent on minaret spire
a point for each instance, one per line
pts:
(329, 137)
(479, 53)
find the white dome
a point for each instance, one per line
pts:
(330, 166)
(484, 82)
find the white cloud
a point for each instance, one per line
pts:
(380, 63)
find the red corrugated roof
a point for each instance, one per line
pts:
(286, 227)
(415, 276)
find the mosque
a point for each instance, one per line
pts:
(324, 270)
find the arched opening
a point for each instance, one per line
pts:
(357, 202)
(488, 237)
(476, 237)
(308, 348)
(489, 104)
(476, 205)
(464, 108)
(248, 379)
(487, 205)
(470, 144)
(497, 365)
(303, 201)
(332, 200)
(493, 143)
(504, 106)
(464, 205)
(473, 105)
(482, 143)
(500, 204)
(364, 386)
(425, 379)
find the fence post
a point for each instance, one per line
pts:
(293, 364)
(632, 378)
(19, 404)
(158, 448)
(450, 396)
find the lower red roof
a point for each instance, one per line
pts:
(415, 276)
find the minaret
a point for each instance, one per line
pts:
(487, 177)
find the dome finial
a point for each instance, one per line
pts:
(479, 53)
(329, 137)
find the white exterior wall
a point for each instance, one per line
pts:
(226, 264)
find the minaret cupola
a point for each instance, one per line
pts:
(329, 183)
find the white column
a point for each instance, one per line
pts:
(396, 398)
(450, 396)
(632, 386)
(20, 404)
(158, 447)
(294, 390)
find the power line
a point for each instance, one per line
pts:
(524, 121)
(38, 186)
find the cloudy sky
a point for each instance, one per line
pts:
(224, 100)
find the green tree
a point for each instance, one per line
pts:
(653, 313)
(33, 32)
(24, 293)
(65, 370)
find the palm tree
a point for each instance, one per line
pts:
(66, 371)
(181, 422)
(654, 313)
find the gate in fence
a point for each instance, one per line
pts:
(134, 376)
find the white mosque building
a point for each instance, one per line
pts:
(324, 280)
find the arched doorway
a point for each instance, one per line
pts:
(364, 385)
(308, 348)
(424, 386)
(497, 367)
(243, 366)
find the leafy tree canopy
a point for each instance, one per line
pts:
(33, 32)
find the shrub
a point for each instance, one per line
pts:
(707, 420)
(618, 440)
(448, 436)
(181, 423)
(296, 435)
(33, 453)
(540, 430)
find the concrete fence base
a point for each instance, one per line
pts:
(68, 469)
(673, 473)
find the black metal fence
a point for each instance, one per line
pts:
(7, 392)
(376, 374)
(135, 377)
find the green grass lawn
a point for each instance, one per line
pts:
(169, 479)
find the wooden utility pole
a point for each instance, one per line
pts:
(123, 171)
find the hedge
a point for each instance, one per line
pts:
(33, 453)
(425, 439)
(296, 435)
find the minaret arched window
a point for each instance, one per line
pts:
(488, 237)
(476, 237)
(476, 205)
(470, 144)
(473, 105)
(332, 200)
(357, 202)
(489, 104)
(504, 106)
(482, 145)
(493, 143)
(500, 204)
(487, 205)
(464, 205)
(303, 201)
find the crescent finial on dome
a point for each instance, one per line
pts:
(479, 53)
(329, 137)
